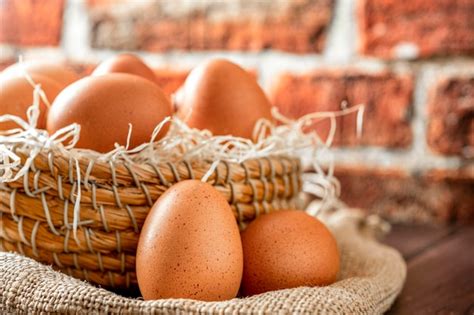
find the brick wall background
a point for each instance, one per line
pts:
(410, 62)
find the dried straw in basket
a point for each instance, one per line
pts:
(82, 211)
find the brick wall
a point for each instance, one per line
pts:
(410, 62)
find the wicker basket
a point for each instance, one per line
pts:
(115, 197)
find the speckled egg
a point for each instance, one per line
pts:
(105, 106)
(190, 246)
(288, 249)
(223, 98)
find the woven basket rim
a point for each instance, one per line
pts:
(38, 214)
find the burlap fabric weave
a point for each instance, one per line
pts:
(371, 277)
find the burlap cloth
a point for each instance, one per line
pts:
(371, 277)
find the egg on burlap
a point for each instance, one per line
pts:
(190, 246)
(287, 249)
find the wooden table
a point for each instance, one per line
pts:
(440, 262)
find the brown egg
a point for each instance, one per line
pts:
(16, 95)
(55, 71)
(105, 105)
(287, 249)
(126, 63)
(222, 97)
(190, 246)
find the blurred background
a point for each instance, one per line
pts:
(410, 62)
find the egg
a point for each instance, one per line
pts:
(222, 97)
(16, 96)
(190, 246)
(126, 63)
(105, 105)
(287, 249)
(60, 73)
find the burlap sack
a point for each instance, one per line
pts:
(371, 277)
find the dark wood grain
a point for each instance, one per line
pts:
(440, 277)
(411, 240)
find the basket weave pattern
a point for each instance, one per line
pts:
(115, 197)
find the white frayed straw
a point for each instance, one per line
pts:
(77, 203)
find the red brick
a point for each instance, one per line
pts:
(31, 22)
(461, 183)
(451, 116)
(435, 28)
(387, 98)
(438, 196)
(464, 174)
(296, 26)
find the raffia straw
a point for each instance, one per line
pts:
(285, 137)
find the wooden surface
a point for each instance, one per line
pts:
(440, 278)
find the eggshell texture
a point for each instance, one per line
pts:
(190, 246)
(105, 105)
(58, 72)
(126, 63)
(287, 249)
(16, 95)
(223, 98)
